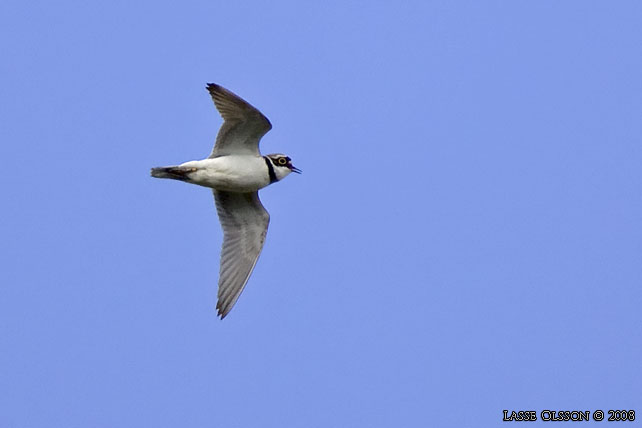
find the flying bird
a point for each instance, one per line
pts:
(235, 171)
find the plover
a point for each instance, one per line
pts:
(235, 170)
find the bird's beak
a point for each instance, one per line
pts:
(295, 169)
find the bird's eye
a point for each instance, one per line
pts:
(282, 161)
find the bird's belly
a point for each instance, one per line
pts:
(242, 175)
(232, 182)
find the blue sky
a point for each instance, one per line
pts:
(466, 236)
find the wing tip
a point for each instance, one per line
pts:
(222, 312)
(213, 87)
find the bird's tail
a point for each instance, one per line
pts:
(173, 172)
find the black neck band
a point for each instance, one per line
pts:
(268, 162)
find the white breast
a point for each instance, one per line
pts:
(234, 173)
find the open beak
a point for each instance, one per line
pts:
(295, 169)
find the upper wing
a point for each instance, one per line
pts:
(245, 223)
(243, 125)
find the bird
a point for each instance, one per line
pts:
(235, 171)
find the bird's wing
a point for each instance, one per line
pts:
(245, 223)
(243, 125)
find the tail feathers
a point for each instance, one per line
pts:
(173, 172)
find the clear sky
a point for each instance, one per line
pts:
(466, 236)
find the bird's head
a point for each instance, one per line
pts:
(282, 165)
